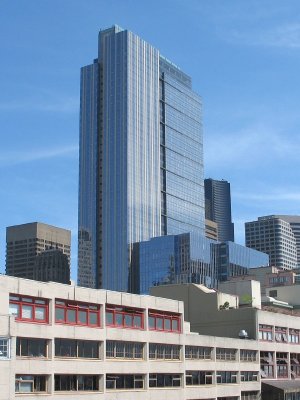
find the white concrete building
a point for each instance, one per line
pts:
(59, 341)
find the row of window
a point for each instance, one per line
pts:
(280, 362)
(33, 347)
(30, 309)
(69, 382)
(279, 334)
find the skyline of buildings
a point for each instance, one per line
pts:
(141, 156)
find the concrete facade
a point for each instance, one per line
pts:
(275, 330)
(198, 367)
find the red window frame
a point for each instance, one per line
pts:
(164, 321)
(266, 329)
(33, 302)
(293, 333)
(120, 314)
(77, 307)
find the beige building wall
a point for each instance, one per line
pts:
(104, 366)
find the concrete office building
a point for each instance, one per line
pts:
(271, 325)
(218, 207)
(24, 245)
(274, 236)
(52, 265)
(141, 156)
(63, 341)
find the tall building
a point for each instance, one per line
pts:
(218, 207)
(294, 221)
(274, 236)
(52, 266)
(25, 245)
(141, 157)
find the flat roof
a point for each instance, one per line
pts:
(285, 385)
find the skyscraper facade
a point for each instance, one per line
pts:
(273, 235)
(218, 207)
(141, 156)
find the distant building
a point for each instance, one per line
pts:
(52, 265)
(273, 235)
(235, 260)
(294, 221)
(190, 258)
(25, 245)
(218, 207)
(211, 229)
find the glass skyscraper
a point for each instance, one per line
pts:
(141, 157)
(218, 207)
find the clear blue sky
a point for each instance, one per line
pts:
(243, 56)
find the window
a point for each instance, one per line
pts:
(76, 383)
(267, 364)
(74, 313)
(28, 347)
(248, 355)
(124, 317)
(295, 365)
(249, 376)
(199, 378)
(164, 380)
(198, 353)
(30, 383)
(282, 365)
(76, 348)
(30, 309)
(4, 348)
(124, 350)
(226, 377)
(160, 321)
(164, 351)
(250, 395)
(281, 334)
(225, 354)
(124, 382)
(265, 332)
(294, 336)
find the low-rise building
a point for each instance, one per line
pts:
(58, 341)
(274, 328)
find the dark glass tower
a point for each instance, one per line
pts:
(218, 207)
(141, 157)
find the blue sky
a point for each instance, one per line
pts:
(243, 56)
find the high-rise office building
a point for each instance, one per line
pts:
(294, 221)
(52, 266)
(218, 207)
(273, 235)
(141, 156)
(24, 245)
